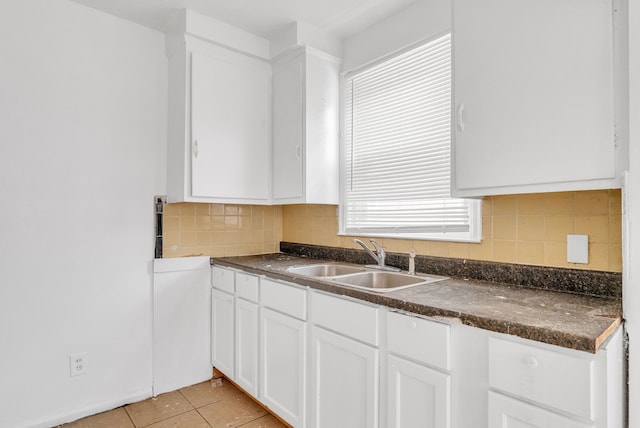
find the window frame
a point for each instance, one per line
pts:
(473, 235)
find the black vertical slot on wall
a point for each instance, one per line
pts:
(158, 202)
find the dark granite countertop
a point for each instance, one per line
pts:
(573, 321)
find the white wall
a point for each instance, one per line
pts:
(631, 284)
(82, 132)
(419, 21)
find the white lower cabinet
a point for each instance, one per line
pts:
(246, 346)
(417, 396)
(537, 385)
(246, 332)
(222, 331)
(282, 351)
(321, 360)
(505, 412)
(418, 383)
(283, 341)
(345, 381)
(554, 379)
(345, 362)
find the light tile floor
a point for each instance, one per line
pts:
(210, 404)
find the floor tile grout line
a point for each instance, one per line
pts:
(193, 407)
(162, 420)
(126, 412)
(186, 399)
(253, 420)
(233, 392)
(129, 415)
(249, 396)
(202, 416)
(165, 419)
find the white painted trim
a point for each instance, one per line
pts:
(181, 264)
(90, 410)
(631, 217)
(187, 21)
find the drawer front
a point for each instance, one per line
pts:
(346, 317)
(247, 286)
(507, 412)
(284, 298)
(424, 341)
(555, 379)
(223, 279)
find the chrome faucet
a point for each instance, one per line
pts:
(379, 254)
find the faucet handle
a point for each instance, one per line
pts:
(379, 251)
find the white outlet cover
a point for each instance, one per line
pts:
(578, 249)
(77, 364)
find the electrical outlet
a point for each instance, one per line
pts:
(78, 364)
(578, 249)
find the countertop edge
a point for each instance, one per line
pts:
(565, 340)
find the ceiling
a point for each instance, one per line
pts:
(341, 18)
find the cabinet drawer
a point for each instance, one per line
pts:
(247, 286)
(555, 379)
(507, 412)
(422, 340)
(222, 279)
(284, 298)
(346, 317)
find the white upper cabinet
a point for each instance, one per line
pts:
(534, 96)
(230, 96)
(219, 137)
(305, 127)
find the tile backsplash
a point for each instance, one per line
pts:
(527, 229)
(220, 229)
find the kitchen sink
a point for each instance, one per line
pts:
(324, 270)
(385, 281)
(360, 277)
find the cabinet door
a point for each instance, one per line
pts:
(505, 412)
(246, 341)
(230, 125)
(344, 376)
(282, 369)
(222, 336)
(288, 128)
(321, 126)
(533, 95)
(305, 128)
(417, 396)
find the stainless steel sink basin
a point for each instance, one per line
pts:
(385, 281)
(324, 270)
(360, 277)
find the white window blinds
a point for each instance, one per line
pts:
(397, 146)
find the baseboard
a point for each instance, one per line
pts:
(88, 411)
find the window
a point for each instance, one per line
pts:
(397, 142)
